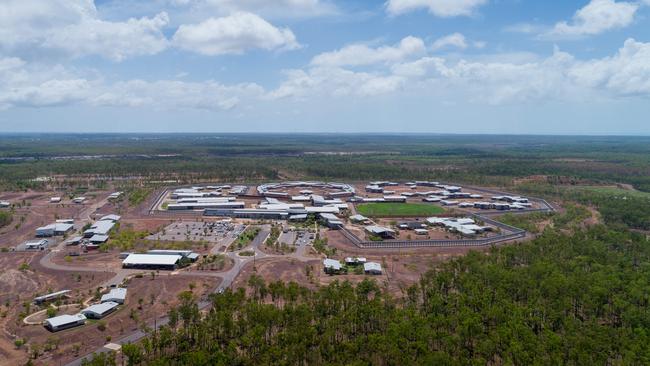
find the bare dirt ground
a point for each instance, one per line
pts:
(147, 299)
(285, 269)
(148, 224)
(400, 271)
(36, 210)
(18, 287)
(102, 261)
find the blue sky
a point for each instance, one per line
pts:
(436, 66)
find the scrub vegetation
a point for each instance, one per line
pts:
(5, 218)
(564, 298)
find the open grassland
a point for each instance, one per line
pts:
(390, 209)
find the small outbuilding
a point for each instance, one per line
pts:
(36, 244)
(117, 295)
(332, 266)
(372, 268)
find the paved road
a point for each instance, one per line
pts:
(228, 279)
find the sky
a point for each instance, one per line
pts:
(407, 66)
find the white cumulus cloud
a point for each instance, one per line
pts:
(596, 17)
(233, 34)
(73, 27)
(456, 40)
(276, 8)
(440, 8)
(361, 54)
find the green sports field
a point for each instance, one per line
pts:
(391, 209)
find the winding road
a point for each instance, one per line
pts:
(227, 277)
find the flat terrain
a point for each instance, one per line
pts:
(386, 209)
(147, 299)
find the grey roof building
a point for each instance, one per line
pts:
(64, 322)
(98, 311)
(117, 295)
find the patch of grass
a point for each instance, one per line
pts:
(245, 238)
(138, 195)
(390, 209)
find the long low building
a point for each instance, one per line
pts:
(52, 296)
(152, 261)
(331, 220)
(56, 229)
(101, 227)
(256, 214)
(205, 205)
(380, 231)
(183, 253)
(62, 322)
(98, 311)
(463, 226)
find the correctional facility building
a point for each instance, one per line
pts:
(62, 322)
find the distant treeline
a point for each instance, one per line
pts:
(489, 160)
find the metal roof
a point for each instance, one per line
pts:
(372, 266)
(332, 263)
(111, 218)
(378, 229)
(101, 227)
(118, 293)
(98, 238)
(152, 259)
(100, 309)
(51, 296)
(181, 252)
(358, 218)
(65, 319)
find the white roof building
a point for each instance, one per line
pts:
(52, 296)
(355, 260)
(301, 198)
(372, 268)
(98, 311)
(394, 198)
(325, 209)
(101, 227)
(65, 321)
(332, 264)
(151, 261)
(113, 218)
(36, 244)
(117, 295)
(358, 218)
(114, 195)
(98, 239)
(380, 230)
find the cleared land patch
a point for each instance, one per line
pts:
(390, 209)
